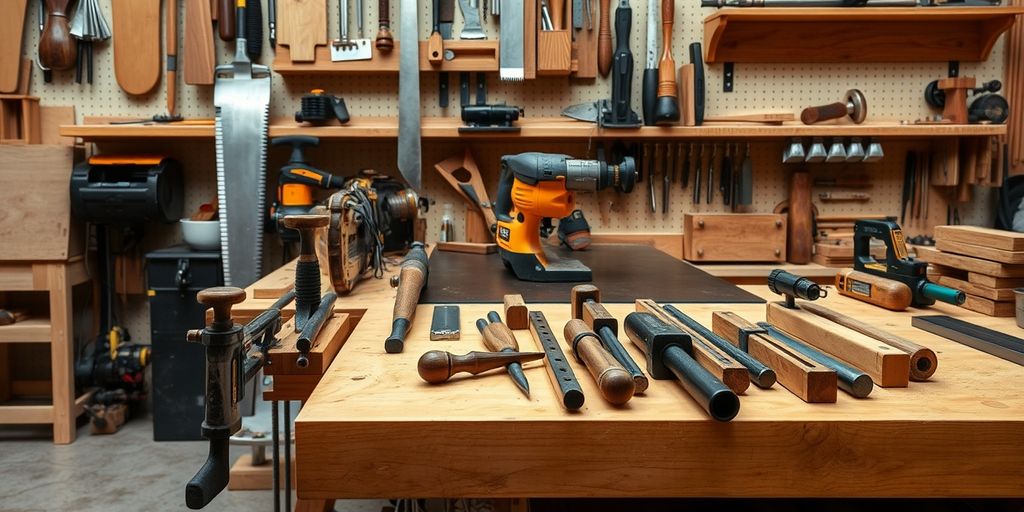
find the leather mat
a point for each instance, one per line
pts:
(624, 273)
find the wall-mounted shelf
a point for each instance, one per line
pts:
(447, 128)
(861, 34)
(468, 56)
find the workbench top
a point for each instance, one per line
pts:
(372, 428)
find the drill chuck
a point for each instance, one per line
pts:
(792, 285)
(942, 293)
(594, 175)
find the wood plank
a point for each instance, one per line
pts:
(994, 282)
(274, 284)
(990, 268)
(803, 377)
(976, 235)
(332, 336)
(25, 414)
(137, 44)
(50, 121)
(996, 294)
(62, 355)
(12, 26)
(33, 330)
(14, 277)
(37, 218)
(977, 251)
(989, 307)
(303, 27)
(468, 247)
(291, 387)
(246, 477)
(199, 46)
(887, 366)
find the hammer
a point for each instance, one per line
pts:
(855, 105)
(669, 354)
(586, 305)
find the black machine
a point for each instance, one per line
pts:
(117, 195)
(318, 109)
(490, 118)
(897, 266)
(986, 107)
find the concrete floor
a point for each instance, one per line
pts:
(124, 471)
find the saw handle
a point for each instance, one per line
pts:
(226, 22)
(604, 39)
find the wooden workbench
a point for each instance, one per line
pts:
(373, 429)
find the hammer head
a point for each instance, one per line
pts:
(858, 105)
(652, 336)
(579, 296)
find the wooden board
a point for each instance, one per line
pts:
(302, 26)
(734, 237)
(50, 120)
(333, 335)
(989, 307)
(996, 294)
(978, 251)
(980, 266)
(887, 366)
(276, 283)
(199, 59)
(994, 282)
(468, 247)
(12, 25)
(35, 223)
(136, 28)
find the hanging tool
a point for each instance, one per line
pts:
(537, 185)
(446, 18)
(711, 173)
(586, 305)
(472, 27)
(854, 106)
(272, 23)
(657, 165)
(241, 96)
(511, 53)
(909, 174)
(171, 56)
(650, 80)
(667, 110)
(345, 49)
(650, 151)
(614, 382)
(683, 158)
(697, 59)
(199, 48)
(318, 108)
(725, 179)
(666, 178)
(411, 278)
(226, 20)
(137, 44)
(669, 353)
(559, 372)
(385, 42)
(89, 26)
(12, 31)
(254, 28)
(435, 48)
(898, 266)
(696, 179)
(56, 46)
(604, 38)
(499, 338)
(437, 366)
(410, 157)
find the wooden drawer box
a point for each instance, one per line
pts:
(734, 237)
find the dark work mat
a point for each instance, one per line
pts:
(624, 273)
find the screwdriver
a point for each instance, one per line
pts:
(499, 338)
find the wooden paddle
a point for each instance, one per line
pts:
(12, 25)
(136, 44)
(199, 56)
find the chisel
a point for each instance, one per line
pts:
(696, 179)
(711, 172)
(499, 338)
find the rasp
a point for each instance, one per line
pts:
(409, 151)
(510, 57)
(241, 97)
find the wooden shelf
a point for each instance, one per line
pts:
(861, 34)
(447, 128)
(469, 56)
(33, 330)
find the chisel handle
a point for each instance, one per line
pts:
(604, 39)
(615, 383)
(437, 366)
(226, 20)
(497, 336)
(411, 279)
(667, 66)
(811, 115)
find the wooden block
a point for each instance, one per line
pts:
(516, 313)
(247, 477)
(994, 282)
(935, 270)
(977, 251)
(37, 222)
(333, 335)
(554, 53)
(137, 59)
(763, 117)
(50, 120)
(19, 120)
(986, 237)
(302, 26)
(803, 377)
(989, 307)
(291, 387)
(687, 105)
(530, 24)
(996, 294)
(586, 54)
(276, 283)
(733, 374)
(477, 230)
(200, 59)
(468, 247)
(887, 366)
(734, 237)
(980, 266)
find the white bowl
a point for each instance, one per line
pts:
(202, 235)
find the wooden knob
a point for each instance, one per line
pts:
(221, 298)
(301, 222)
(615, 383)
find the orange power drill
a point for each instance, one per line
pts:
(538, 185)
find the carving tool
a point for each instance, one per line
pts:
(650, 80)
(446, 18)
(725, 179)
(445, 323)
(991, 342)
(346, 49)
(241, 95)
(410, 280)
(559, 372)
(384, 42)
(604, 39)
(761, 375)
(851, 380)
(685, 153)
(666, 178)
(696, 179)
(510, 52)
(410, 157)
(499, 338)
(667, 110)
(437, 366)
(89, 26)
(711, 173)
(586, 305)
(614, 382)
(697, 59)
(669, 353)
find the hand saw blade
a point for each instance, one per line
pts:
(242, 101)
(410, 158)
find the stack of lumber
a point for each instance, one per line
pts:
(833, 240)
(986, 264)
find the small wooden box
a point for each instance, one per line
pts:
(554, 53)
(734, 237)
(19, 120)
(36, 220)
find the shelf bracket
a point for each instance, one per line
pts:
(729, 78)
(954, 68)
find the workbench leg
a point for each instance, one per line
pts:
(314, 505)
(62, 359)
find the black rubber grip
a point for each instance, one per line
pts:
(253, 30)
(395, 343)
(307, 290)
(650, 94)
(211, 478)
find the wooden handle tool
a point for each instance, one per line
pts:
(226, 20)
(887, 293)
(56, 46)
(614, 382)
(435, 45)
(666, 110)
(385, 41)
(499, 338)
(604, 38)
(437, 366)
(411, 279)
(557, 14)
(854, 105)
(171, 56)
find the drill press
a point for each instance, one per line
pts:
(538, 185)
